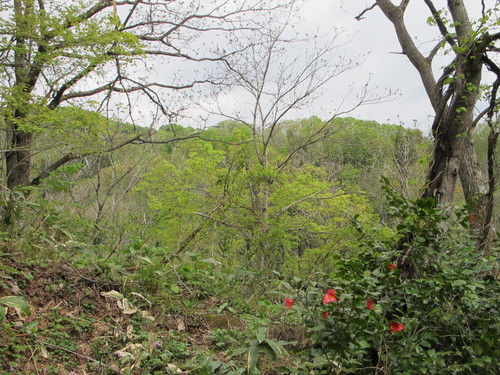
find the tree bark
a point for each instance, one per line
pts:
(453, 97)
(18, 158)
(475, 190)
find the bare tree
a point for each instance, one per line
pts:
(267, 83)
(454, 92)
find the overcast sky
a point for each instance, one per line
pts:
(390, 69)
(374, 37)
(373, 40)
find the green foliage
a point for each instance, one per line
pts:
(215, 221)
(244, 208)
(60, 181)
(273, 350)
(177, 191)
(223, 339)
(211, 366)
(18, 303)
(439, 289)
(63, 43)
(208, 194)
(12, 350)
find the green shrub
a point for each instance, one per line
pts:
(430, 306)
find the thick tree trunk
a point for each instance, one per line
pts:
(18, 158)
(18, 167)
(471, 176)
(488, 229)
(475, 190)
(449, 146)
(442, 179)
(453, 102)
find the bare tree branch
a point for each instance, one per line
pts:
(423, 66)
(70, 157)
(138, 139)
(359, 17)
(439, 21)
(310, 197)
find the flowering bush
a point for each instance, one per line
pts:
(372, 314)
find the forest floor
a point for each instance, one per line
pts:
(83, 323)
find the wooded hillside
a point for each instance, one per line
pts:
(253, 241)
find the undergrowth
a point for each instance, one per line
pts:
(145, 310)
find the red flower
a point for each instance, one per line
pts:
(370, 305)
(329, 297)
(396, 327)
(472, 219)
(326, 314)
(392, 266)
(289, 302)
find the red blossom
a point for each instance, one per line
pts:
(289, 302)
(370, 304)
(329, 297)
(326, 314)
(396, 327)
(472, 219)
(392, 266)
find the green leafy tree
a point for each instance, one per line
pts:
(96, 55)
(274, 81)
(354, 153)
(182, 190)
(46, 53)
(204, 198)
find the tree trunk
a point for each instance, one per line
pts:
(18, 158)
(475, 191)
(453, 97)
(18, 166)
(471, 176)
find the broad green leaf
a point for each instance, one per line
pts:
(478, 349)
(19, 303)
(253, 356)
(277, 349)
(261, 334)
(268, 350)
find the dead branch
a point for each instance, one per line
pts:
(359, 17)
